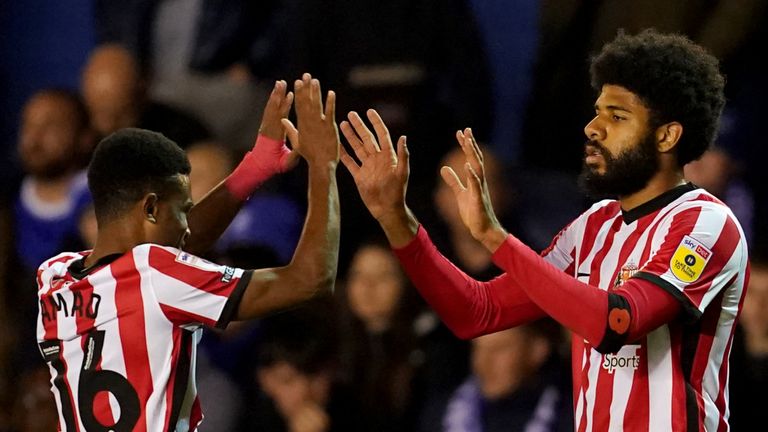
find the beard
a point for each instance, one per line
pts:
(625, 174)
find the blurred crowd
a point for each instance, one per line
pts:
(373, 357)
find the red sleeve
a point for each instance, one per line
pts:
(606, 320)
(468, 307)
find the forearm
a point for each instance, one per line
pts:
(468, 307)
(315, 259)
(578, 306)
(210, 217)
(606, 319)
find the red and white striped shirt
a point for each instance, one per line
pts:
(676, 377)
(120, 338)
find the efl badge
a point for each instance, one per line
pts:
(689, 260)
(625, 273)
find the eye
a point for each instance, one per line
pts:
(617, 117)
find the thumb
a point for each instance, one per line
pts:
(452, 180)
(291, 132)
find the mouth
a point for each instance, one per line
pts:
(592, 155)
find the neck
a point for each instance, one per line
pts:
(663, 181)
(116, 237)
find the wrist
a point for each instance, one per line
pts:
(399, 225)
(493, 238)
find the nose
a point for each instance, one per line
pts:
(593, 130)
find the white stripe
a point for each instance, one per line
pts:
(586, 265)
(622, 384)
(596, 363)
(158, 332)
(611, 260)
(185, 297)
(580, 402)
(659, 350)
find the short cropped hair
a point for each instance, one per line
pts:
(676, 79)
(127, 165)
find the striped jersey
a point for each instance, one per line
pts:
(120, 337)
(676, 377)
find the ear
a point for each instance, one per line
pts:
(668, 135)
(149, 206)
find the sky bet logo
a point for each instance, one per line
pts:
(689, 260)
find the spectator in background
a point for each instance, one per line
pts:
(749, 366)
(114, 90)
(297, 372)
(213, 58)
(718, 173)
(398, 360)
(470, 254)
(420, 63)
(54, 143)
(518, 383)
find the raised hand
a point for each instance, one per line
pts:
(473, 199)
(317, 138)
(269, 154)
(382, 175)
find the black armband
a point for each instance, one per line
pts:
(617, 324)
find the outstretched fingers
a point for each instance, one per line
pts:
(382, 133)
(353, 140)
(349, 162)
(366, 136)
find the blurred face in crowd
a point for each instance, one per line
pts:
(503, 361)
(754, 318)
(291, 389)
(112, 90)
(50, 135)
(445, 199)
(712, 171)
(210, 165)
(621, 155)
(375, 285)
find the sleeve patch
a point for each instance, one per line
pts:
(689, 260)
(195, 261)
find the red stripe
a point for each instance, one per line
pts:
(128, 303)
(628, 246)
(209, 281)
(709, 323)
(101, 407)
(594, 223)
(637, 412)
(584, 380)
(679, 409)
(597, 261)
(601, 411)
(177, 345)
